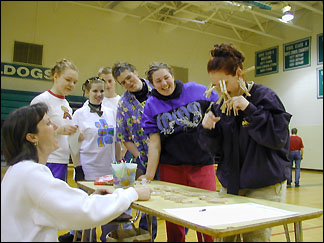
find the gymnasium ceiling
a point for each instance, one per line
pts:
(238, 21)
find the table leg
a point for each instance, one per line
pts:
(218, 239)
(202, 237)
(83, 236)
(286, 232)
(298, 231)
(75, 237)
(91, 236)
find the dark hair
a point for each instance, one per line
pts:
(18, 123)
(155, 66)
(88, 83)
(120, 67)
(225, 57)
(294, 131)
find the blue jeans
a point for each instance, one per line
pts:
(294, 156)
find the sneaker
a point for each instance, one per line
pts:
(68, 237)
(289, 186)
(297, 185)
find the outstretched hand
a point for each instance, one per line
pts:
(144, 193)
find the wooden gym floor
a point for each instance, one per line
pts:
(310, 194)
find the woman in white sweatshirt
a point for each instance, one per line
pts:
(34, 204)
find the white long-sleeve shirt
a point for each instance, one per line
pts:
(35, 205)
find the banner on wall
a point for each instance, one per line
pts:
(297, 54)
(25, 71)
(319, 72)
(266, 61)
(320, 48)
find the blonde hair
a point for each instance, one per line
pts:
(104, 70)
(61, 66)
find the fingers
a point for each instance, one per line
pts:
(101, 191)
(81, 137)
(106, 191)
(144, 193)
(69, 130)
(210, 120)
(238, 103)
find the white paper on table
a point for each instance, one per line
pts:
(74, 142)
(228, 214)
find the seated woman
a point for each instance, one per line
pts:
(34, 204)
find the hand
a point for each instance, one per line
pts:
(102, 191)
(238, 103)
(79, 174)
(210, 120)
(67, 130)
(143, 177)
(144, 193)
(81, 137)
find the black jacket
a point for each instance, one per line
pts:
(253, 146)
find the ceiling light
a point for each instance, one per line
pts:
(288, 16)
(286, 9)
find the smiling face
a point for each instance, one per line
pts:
(232, 85)
(130, 81)
(64, 82)
(163, 82)
(96, 93)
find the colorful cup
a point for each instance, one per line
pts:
(124, 174)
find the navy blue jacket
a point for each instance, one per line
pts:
(253, 146)
(176, 118)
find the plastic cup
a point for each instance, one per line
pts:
(124, 174)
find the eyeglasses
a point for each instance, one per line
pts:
(129, 76)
